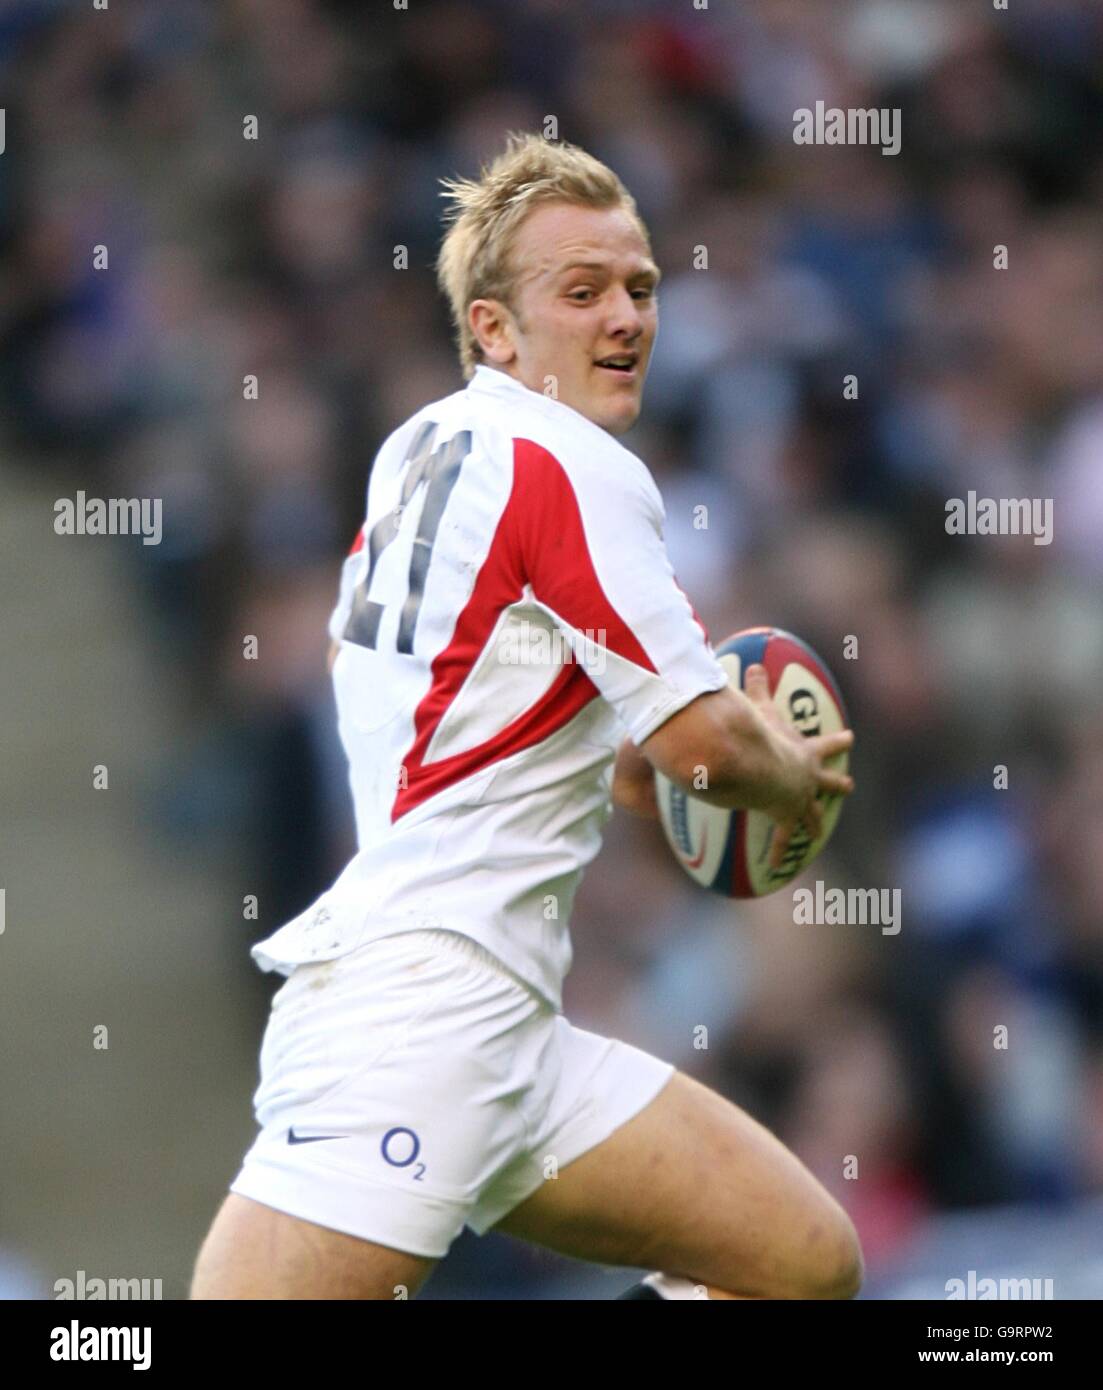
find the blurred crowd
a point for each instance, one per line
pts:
(275, 257)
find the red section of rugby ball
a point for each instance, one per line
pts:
(740, 876)
(782, 651)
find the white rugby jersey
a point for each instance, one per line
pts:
(506, 615)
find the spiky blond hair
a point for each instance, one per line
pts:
(474, 260)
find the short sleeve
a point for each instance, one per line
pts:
(590, 545)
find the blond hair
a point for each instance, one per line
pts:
(474, 260)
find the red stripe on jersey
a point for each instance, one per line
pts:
(553, 542)
(358, 543)
(539, 540)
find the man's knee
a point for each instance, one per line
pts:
(820, 1260)
(835, 1268)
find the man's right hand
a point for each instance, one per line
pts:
(803, 780)
(753, 759)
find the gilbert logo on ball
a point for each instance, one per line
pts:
(728, 851)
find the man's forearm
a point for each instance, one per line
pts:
(754, 767)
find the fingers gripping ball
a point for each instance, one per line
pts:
(728, 851)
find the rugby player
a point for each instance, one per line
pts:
(417, 1074)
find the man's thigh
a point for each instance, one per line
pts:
(253, 1251)
(693, 1186)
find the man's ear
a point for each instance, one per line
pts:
(491, 323)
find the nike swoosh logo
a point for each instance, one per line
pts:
(293, 1138)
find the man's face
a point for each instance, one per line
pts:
(583, 293)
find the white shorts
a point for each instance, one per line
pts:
(415, 1086)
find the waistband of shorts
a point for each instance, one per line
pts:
(456, 943)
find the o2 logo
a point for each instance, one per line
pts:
(400, 1148)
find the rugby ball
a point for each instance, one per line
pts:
(727, 851)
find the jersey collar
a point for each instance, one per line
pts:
(491, 379)
(502, 384)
